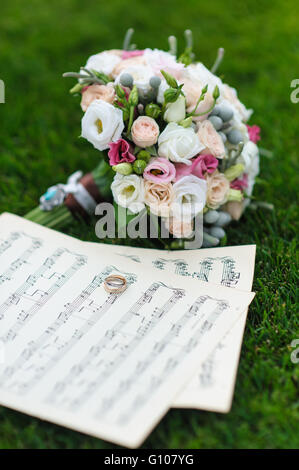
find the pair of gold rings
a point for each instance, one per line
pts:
(115, 284)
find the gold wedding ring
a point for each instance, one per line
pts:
(115, 284)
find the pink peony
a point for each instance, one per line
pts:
(160, 170)
(128, 54)
(145, 131)
(119, 152)
(241, 183)
(202, 164)
(254, 133)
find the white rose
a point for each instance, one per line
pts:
(176, 112)
(128, 191)
(102, 123)
(141, 75)
(189, 197)
(179, 144)
(102, 62)
(251, 160)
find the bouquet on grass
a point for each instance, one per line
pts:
(172, 140)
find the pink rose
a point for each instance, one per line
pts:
(128, 54)
(145, 131)
(159, 170)
(210, 138)
(254, 133)
(217, 190)
(201, 165)
(96, 92)
(241, 183)
(120, 152)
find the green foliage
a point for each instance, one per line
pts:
(40, 123)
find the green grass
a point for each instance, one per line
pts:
(39, 145)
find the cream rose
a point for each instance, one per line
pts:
(101, 124)
(235, 209)
(210, 139)
(179, 144)
(145, 131)
(128, 191)
(190, 197)
(159, 197)
(217, 189)
(176, 112)
(97, 92)
(198, 73)
(179, 228)
(192, 90)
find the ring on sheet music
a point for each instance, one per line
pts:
(115, 284)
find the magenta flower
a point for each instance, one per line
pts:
(254, 133)
(119, 152)
(129, 54)
(159, 170)
(241, 183)
(200, 166)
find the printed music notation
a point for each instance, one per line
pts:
(213, 385)
(109, 365)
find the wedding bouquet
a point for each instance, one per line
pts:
(172, 141)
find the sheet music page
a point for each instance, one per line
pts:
(212, 387)
(107, 365)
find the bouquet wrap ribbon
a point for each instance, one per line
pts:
(84, 198)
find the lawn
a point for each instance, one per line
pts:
(39, 146)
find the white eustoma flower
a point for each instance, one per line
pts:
(179, 144)
(176, 112)
(128, 191)
(141, 76)
(102, 62)
(101, 124)
(251, 161)
(189, 197)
